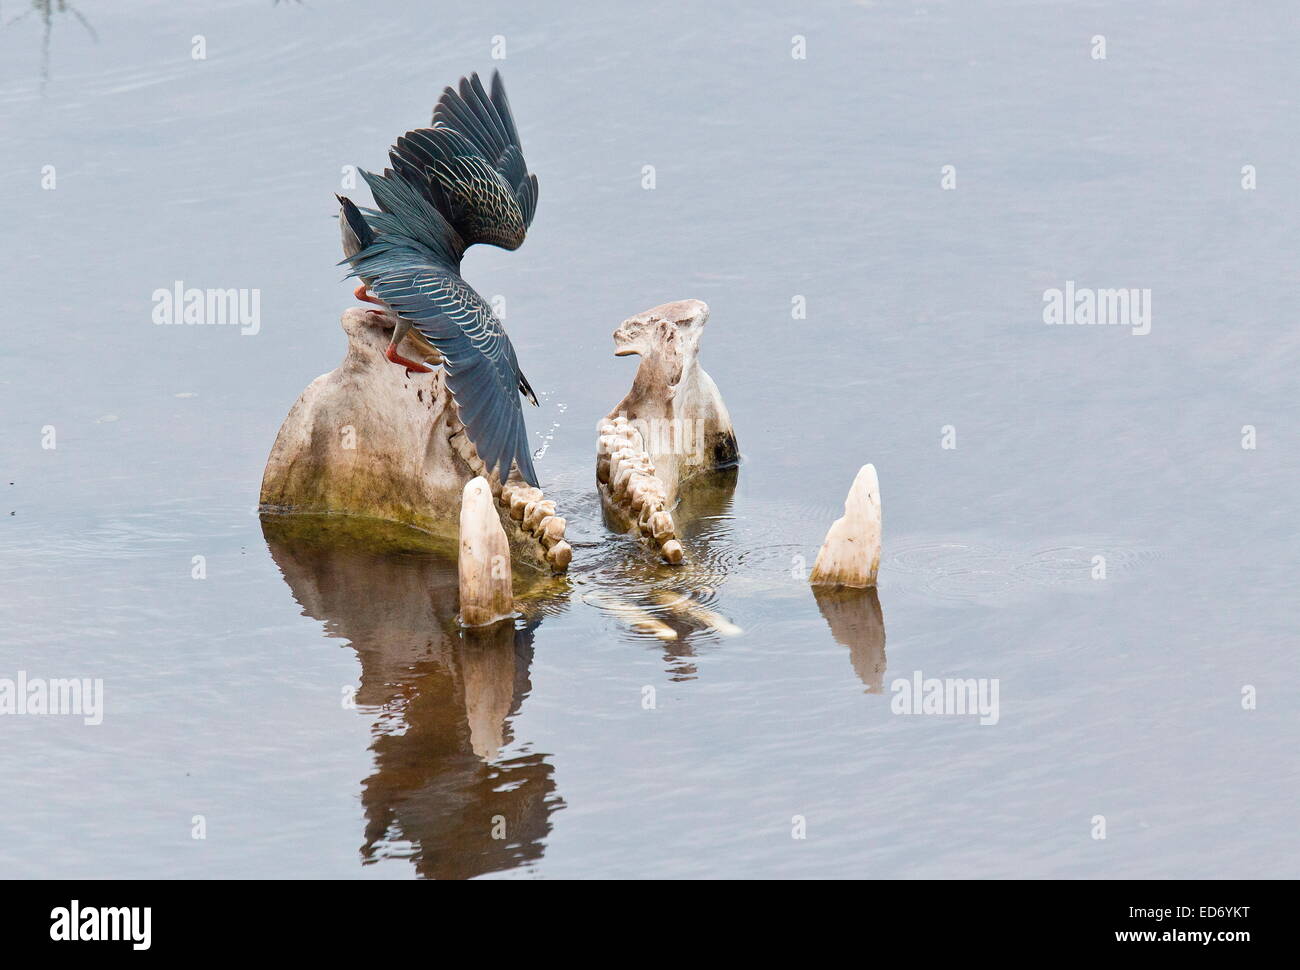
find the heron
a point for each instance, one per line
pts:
(461, 181)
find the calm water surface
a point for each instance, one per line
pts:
(776, 178)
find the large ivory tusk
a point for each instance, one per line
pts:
(850, 556)
(486, 591)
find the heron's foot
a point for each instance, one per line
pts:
(392, 354)
(361, 294)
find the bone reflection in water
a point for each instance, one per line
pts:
(632, 615)
(488, 676)
(857, 621)
(705, 501)
(678, 604)
(441, 699)
(684, 606)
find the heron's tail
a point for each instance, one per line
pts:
(407, 223)
(356, 222)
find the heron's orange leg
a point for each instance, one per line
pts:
(361, 294)
(392, 354)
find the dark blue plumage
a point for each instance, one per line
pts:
(460, 182)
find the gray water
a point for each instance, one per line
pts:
(776, 177)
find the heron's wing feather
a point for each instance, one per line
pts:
(475, 198)
(468, 109)
(482, 372)
(488, 125)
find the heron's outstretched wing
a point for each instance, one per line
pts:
(482, 372)
(472, 165)
(489, 123)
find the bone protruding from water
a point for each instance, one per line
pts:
(685, 606)
(850, 556)
(526, 504)
(626, 472)
(486, 590)
(375, 441)
(670, 427)
(536, 516)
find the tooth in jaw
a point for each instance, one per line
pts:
(661, 527)
(534, 512)
(637, 494)
(611, 448)
(626, 470)
(624, 455)
(559, 556)
(620, 432)
(551, 530)
(627, 474)
(536, 515)
(520, 497)
(672, 552)
(653, 497)
(469, 454)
